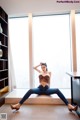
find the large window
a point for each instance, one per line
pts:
(78, 40)
(51, 44)
(19, 52)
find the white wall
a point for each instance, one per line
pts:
(23, 7)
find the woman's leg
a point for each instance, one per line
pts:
(58, 92)
(31, 91)
(25, 97)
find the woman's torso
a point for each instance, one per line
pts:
(44, 79)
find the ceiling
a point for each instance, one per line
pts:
(15, 8)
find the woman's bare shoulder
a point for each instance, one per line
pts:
(49, 73)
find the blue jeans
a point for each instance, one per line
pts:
(44, 91)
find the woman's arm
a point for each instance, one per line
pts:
(50, 78)
(36, 68)
(50, 74)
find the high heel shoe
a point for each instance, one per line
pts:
(16, 108)
(73, 109)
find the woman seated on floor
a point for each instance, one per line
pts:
(43, 88)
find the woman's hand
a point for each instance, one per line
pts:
(40, 63)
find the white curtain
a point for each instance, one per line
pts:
(77, 17)
(19, 52)
(51, 44)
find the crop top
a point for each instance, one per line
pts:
(45, 78)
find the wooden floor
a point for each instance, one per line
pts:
(39, 112)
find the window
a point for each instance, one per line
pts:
(19, 52)
(78, 40)
(51, 44)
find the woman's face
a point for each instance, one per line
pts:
(43, 67)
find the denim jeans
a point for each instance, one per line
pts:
(44, 91)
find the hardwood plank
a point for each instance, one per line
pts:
(39, 112)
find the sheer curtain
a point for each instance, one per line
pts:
(51, 44)
(19, 52)
(77, 17)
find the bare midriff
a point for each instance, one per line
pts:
(43, 83)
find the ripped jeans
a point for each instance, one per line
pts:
(44, 91)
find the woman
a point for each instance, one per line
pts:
(43, 88)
